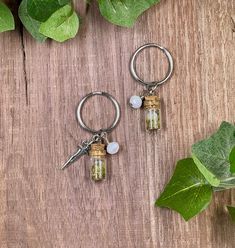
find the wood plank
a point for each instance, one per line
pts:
(41, 86)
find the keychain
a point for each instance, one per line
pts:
(98, 145)
(149, 99)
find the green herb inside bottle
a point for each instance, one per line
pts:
(98, 170)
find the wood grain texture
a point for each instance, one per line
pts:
(41, 85)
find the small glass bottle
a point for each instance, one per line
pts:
(98, 168)
(152, 112)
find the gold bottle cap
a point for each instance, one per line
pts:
(97, 149)
(151, 102)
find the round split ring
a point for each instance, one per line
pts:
(152, 84)
(115, 104)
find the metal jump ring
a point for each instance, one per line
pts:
(115, 104)
(152, 83)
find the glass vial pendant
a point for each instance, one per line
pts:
(152, 112)
(98, 169)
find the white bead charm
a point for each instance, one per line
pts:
(112, 148)
(136, 102)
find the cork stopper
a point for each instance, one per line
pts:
(97, 149)
(151, 102)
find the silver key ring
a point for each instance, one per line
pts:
(153, 84)
(115, 104)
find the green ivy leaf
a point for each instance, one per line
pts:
(232, 160)
(231, 211)
(124, 12)
(29, 23)
(188, 192)
(62, 25)
(41, 10)
(212, 156)
(6, 18)
(211, 178)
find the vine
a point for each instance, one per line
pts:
(58, 20)
(211, 168)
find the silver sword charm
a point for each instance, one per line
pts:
(82, 150)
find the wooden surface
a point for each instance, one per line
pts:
(41, 85)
